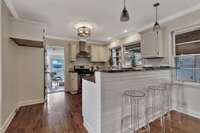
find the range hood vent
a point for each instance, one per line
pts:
(82, 52)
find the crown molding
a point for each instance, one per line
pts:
(162, 21)
(75, 39)
(11, 7)
(146, 27)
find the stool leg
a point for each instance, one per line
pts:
(137, 115)
(162, 120)
(147, 112)
(163, 111)
(122, 112)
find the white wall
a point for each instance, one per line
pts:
(30, 75)
(190, 93)
(0, 64)
(9, 69)
(22, 73)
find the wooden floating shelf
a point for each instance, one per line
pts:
(28, 43)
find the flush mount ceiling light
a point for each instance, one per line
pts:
(124, 15)
(156, 26)
(109, 38)
(125, 31)
(84, 32)
(83, 29)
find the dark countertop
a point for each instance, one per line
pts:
(137, 69)
(90, 78)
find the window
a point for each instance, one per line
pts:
(116, 56)
(132, 55)
(187, 56)
(57, 66)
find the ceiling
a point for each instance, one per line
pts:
(60, 15)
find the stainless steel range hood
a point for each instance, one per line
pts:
(82, 51)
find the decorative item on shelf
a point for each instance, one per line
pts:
(156, 26)
(124, 15)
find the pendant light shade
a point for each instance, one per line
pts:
(124, 15)
(156, 26)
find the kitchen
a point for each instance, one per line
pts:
(127, 66)
(85, 59)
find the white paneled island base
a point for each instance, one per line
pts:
(102, 99)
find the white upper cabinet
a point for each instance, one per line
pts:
(27, 33)
(99, 53)
(152, 45)
(73, 50)
(29, 30)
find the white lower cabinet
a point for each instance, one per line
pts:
(73, 84)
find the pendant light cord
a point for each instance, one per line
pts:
(124, 3)
(156, 14)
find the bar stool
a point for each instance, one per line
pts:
(134, 115)
(158, 100)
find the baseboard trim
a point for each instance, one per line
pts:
(30, 102)
(8, 120)
(13, 113)
(88, 127)
(188, 112)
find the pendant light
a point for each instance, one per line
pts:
(124, 15)
(156, 26)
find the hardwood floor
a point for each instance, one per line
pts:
(180, 123)
(62, 114)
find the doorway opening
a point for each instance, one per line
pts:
(55, 69)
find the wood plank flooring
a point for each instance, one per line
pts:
(62, 114)
(180, 123)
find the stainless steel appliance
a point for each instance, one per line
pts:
(83, 72)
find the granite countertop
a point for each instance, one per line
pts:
(90, 78)
(137, 69)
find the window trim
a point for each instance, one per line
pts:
(173, 34)
(131, 43)
(181, 31)
(124, 47)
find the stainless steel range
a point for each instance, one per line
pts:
(83, 72)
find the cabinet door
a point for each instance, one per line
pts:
(73, 83)
(103, 54)
(151, 44)
(94, 53)
(98, 53)
(73, 52)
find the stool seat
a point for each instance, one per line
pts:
(134, 93)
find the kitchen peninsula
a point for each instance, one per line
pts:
(101, 100)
